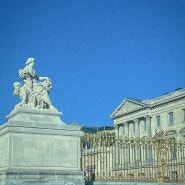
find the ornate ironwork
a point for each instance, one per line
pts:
(106, 157)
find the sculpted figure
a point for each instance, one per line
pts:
(19, 90)
(35, 90)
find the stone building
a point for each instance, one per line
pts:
(134, 117)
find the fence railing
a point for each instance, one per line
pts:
(106, 157)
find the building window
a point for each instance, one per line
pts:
(184, 115)
(158, 121)
(171, 118)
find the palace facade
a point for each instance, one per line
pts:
(106, 157)
(134, 117)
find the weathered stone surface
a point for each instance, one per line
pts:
(41, 177)
(37, 117)
(38, 148)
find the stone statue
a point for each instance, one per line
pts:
(35, 91)
(19, 90)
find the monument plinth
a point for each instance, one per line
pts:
(36, 147)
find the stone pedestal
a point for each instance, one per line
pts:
(36, 147)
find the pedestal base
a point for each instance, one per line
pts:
(41, 177)
(36, 147)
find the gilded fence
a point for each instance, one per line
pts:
(106, 157)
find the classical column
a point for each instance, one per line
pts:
(126, 125)
(137, 130)
(121, 130)
(148, 125)
(130, 130)
(136, 149)
(116, 128)
(117, 133)
(149, 157)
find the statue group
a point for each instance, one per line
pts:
(34, 93)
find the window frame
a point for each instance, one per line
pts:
(171, 118)
(158, 121)
(183, 115)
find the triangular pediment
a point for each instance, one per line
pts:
(128, 105)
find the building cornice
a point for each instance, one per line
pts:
(167, 101)
(150, 104)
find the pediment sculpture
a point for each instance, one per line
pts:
(34, 93)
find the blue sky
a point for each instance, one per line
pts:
(95, 52)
